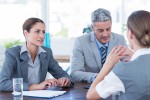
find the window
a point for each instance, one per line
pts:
(67, 18)
(13, 14)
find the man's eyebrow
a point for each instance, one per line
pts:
(100, 29)
(108, 28)
(104, 29)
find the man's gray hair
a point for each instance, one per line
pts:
(100, 15)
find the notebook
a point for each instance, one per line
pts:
(43, 93)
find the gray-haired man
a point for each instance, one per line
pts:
(90, 50)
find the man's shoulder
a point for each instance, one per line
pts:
(84, 37)
(116, 35)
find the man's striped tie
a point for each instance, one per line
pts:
(104, 53)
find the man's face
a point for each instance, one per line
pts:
(102, 31)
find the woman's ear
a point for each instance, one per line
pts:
(25, 32)
(131, 35)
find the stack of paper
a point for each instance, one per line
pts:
(43, 93)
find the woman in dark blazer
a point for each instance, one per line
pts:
(32, 61)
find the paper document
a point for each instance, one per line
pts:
(43, 93)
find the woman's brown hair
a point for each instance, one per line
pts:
(28, 24)
(139, 24)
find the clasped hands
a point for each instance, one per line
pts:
(61, 82)
(116, 54)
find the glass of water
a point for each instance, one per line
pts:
(18, 87)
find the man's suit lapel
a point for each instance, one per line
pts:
(95, 50)
(24, 66)
(112, 43)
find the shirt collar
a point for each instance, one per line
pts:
(99, 44)
(24, 49)
(140, 52)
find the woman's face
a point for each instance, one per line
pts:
(36, 35)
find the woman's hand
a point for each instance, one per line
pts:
(64, 82)
(47, 83)
(128, 54)
(52, 82)
(115, 55)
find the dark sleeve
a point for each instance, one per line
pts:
(9, 70)
(56, 70)
(6, 72)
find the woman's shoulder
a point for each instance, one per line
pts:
(46, 49)
(123, 67)
(14, 49)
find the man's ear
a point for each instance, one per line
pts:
(92, 27)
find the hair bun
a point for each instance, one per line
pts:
(145, 40)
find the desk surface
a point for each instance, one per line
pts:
(75, 93)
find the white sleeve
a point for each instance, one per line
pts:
(110, 85)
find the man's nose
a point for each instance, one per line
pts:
(105, 33)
